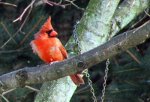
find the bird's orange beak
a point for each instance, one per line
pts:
(53, 33)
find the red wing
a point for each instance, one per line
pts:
(63, 51)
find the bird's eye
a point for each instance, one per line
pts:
(49, 31)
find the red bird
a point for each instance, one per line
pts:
(49, 48)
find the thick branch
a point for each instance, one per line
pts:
(33, 75)
(103, 11)
(126, 12)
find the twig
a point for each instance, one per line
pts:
(8, 4)
(48, 72)
(72, 2)
(6, 42)
(5, 28)
(6, 92)
(26, 36)
(9, 40)
(133, 57)
(136, 23)
(47, 2)
(31, 88)
(5, 98)
(51, 3)
(25, 19)
(2, 95)
(147, 13)
(14, 51)
(24, 11)
(20, 18)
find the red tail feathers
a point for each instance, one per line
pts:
(77, 79)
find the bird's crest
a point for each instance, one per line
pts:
(47, 25)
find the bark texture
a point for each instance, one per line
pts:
(97, 17)
(126, 12)
(33, 75)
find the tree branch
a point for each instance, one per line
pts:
(42, 73)
(88, 30)
(126, 12)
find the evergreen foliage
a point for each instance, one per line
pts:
(128, 81)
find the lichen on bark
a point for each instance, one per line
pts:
(92, 32)
(95, 28)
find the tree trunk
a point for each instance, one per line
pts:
(94, 29)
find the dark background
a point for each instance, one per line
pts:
(128, 81)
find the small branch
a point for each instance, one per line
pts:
(6, 92)
(5, 98)
(24, 11)
(51, 3)
(31, 88)
(121, 17)
(72, 2)
(22, 49)
(20, 18)
(147, 13)
(2, 95)
(10, 35)
(8, 4)
(25, 19)
(42, 73)
(133, 57)
(47, 2)
(33, 28)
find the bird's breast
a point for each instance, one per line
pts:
(48, 50)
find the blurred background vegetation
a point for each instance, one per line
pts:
(129, 78)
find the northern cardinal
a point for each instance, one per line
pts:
(49, 48)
